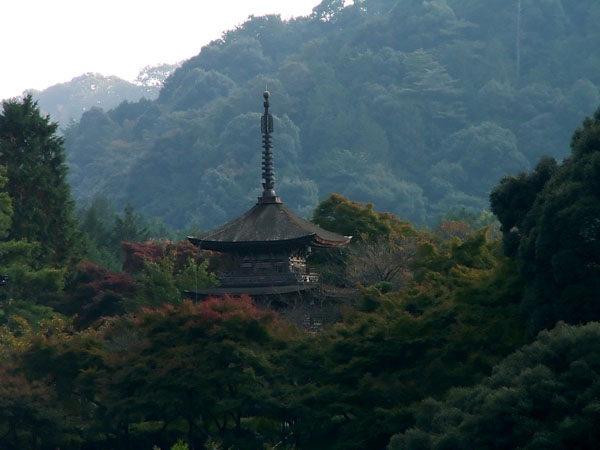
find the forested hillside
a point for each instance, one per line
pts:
(437, 349)
(66, 102)
(417, 106)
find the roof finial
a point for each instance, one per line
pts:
(268, 170)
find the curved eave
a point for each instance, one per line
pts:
(303, 241)
(319, 242)
(228, 246)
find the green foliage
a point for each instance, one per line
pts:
(205, 363)
(65, 102)
(36, 244)
(514, 197)
(105, 230)
(162, 282)
(382, 244)
(6, 210)
(550, 225)
(417, 107)
(360, 221)
(156, 285)
(36, 182)
(195, 276)
(396, 117)
(543, 396)
(27, 418)
(223, 373)
(449, 326)
(384, 286)
(29, 284)
(180, 445)
(473, 149)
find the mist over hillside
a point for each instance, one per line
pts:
(66, 102)
(419, 107)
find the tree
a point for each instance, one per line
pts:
(27, 415)
(359, 220)
(6, 210)
(95, 292)
(195, 88)
(327, 10)
(388, 260)
(164, 270)
(19, 262)
(544, 396)
(381, 243)
(449, 326)
(206, 365)
(550, 224)
(30, 416)
(513, 198)
(129, 228)
(477, 157)
(35, 167)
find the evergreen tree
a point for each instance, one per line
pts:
(6, 210)
(35, 166)
(20, 277)
(129, 228)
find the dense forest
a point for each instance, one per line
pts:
(459, 337)
(417, 106)
(479, 331)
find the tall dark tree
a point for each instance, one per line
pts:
(550, 220)
(35, 167)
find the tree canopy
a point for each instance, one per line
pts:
(550, 226)
(543, 396)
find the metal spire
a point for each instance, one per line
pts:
(268, 170)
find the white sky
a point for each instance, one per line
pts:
(44, 42)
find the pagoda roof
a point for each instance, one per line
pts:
(268, 225)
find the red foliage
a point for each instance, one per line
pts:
(137, 253)
(96, 292)
(102, 279)
(222, 306)
(210, 312)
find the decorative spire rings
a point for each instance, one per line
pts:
(268, 169)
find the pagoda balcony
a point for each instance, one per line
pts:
(272, 279)
(309, 277)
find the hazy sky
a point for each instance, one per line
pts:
(45, 42)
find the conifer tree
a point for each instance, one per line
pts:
(35, 167)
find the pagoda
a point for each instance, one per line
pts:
(269, 243)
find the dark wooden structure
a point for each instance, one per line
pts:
(269, 243)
